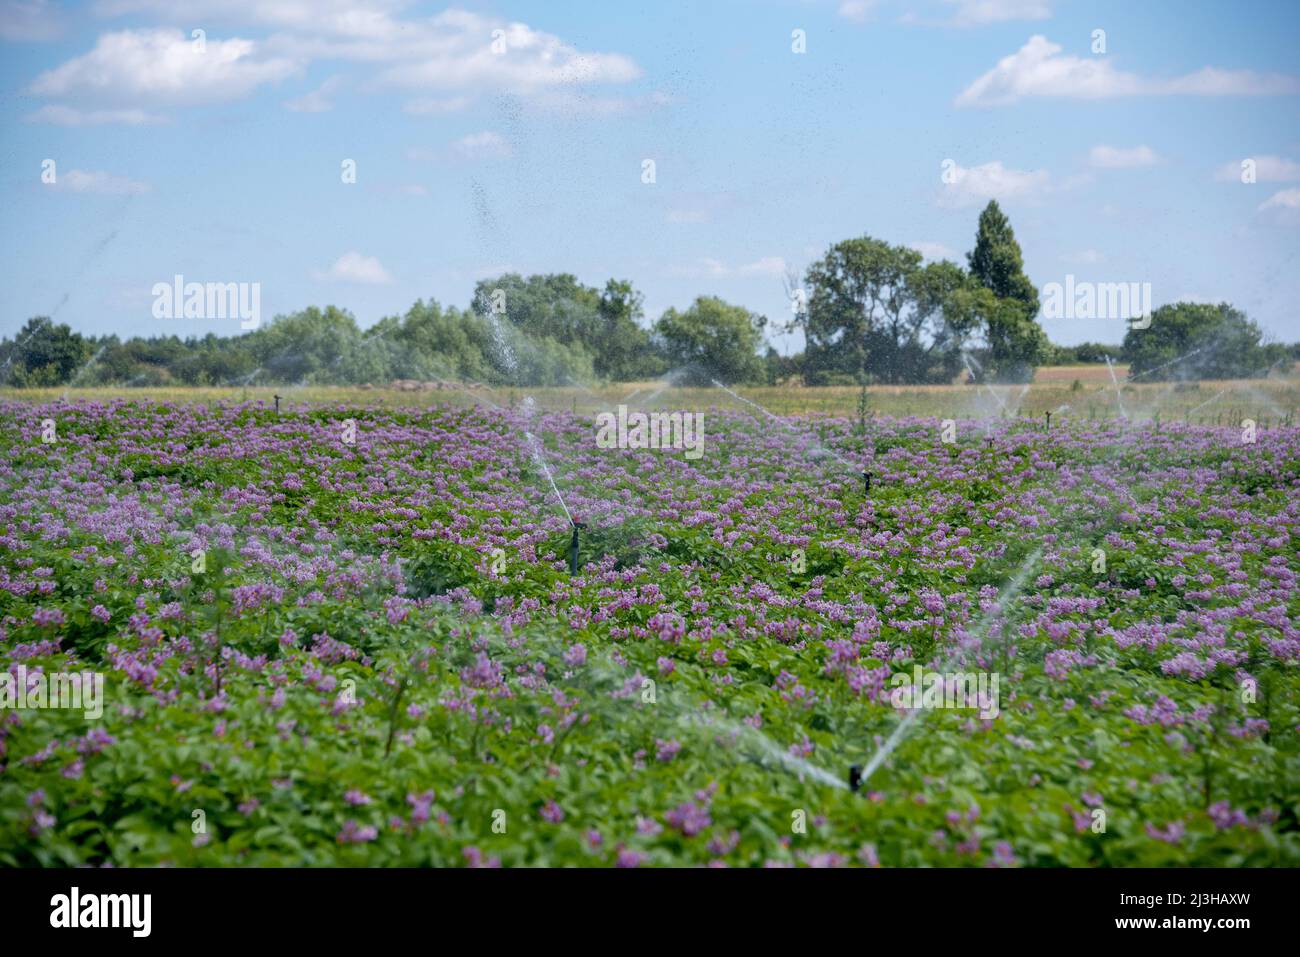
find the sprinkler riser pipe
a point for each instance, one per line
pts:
(573, 549)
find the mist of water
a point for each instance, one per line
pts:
(785, 425)
(966, 360)
(1119, 399)
(772, 752)
(669, 381)
(82, 371)
(686, 709)
(535, 447)
(952, 663)
(1213, 398)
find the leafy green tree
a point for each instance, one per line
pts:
(439, 343)
(1188, 340)
(623, 348)
(779, 369)
(1084, 352)
(875, 313)
(553, 306)
(305, 346)
(214, 360)
(44, 354)
(713, 340)
(996, 262)
(1015, 342)
(600, 329)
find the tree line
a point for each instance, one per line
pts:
(870, 312)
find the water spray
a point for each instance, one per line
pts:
(859, 776)
(971, 372)
(785, 425)
(1119, 399)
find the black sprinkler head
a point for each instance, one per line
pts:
(573, 546)
(866, 481)
(855, 777)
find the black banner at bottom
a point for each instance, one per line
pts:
(338, 907)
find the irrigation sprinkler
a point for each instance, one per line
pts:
(855, 777)
(277, 405)
(1048, 414)
(573, 548)
(866, 482)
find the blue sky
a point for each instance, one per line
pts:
(224, 164)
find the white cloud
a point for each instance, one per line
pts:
(354, 267)
(699, 206)
(767, 266)
(1268, 169)
(67, 116)
(710, 268)
(979, 184)
(452, 57)
(345, 18)
(1284, 205)
(1038, 69)
(978, 12)
(859, 11)
(933, 251)
(1117, 157)
(30, 21)
(162, 67)
(318, 100)
(485, 145)
(454, 51)
(81, 181)
(1211, 81)
(704, 268)
(1286, 199)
